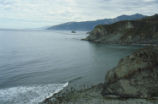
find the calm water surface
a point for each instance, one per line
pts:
(31, 61)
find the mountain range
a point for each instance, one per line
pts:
(89, 25)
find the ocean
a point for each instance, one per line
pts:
(36, 64)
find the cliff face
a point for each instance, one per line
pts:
(138, 31)
(135, 76)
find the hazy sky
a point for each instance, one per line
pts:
(39, 13)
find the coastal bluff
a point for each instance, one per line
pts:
(132, 81)
(141, 31)
(135, 76)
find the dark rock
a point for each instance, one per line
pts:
(73, 31)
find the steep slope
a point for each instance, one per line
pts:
(131, 31)
(89, 25)
(135, 75)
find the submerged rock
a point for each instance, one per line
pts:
(135, 75)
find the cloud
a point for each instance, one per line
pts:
(149, 0)
(22, 13)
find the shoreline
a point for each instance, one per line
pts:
(97, 95)
(72, 87)
(92, 95)
(122, 44)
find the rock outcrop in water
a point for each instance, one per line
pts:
(135, 75)
(127, 32)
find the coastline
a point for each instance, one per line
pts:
(73, 89)
(94, 95)
(122, 44)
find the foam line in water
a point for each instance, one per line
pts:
(29, 94)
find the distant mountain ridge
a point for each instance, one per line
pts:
(89, 25)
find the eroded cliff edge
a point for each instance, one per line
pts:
(143, 31)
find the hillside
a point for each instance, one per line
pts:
(126, 32)
(89, 25)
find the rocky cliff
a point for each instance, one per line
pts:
(127, 32)
(135, 75)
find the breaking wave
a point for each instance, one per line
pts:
(29, 94)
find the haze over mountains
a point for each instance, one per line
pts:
(89, 25)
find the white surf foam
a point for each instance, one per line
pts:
(29, 94)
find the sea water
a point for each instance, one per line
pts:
(36, 64)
